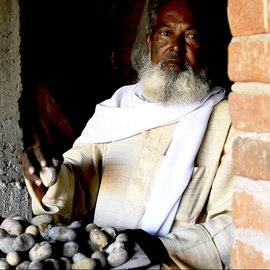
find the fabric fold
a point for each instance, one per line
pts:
(126, 114)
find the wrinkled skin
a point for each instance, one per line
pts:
(176, 39)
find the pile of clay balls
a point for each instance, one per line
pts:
(43, 243)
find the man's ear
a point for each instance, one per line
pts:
(148, 41)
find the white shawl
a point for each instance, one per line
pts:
(127, 113)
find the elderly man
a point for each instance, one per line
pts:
(155, 158)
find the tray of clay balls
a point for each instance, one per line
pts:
(43, 243)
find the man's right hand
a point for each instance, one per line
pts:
(41, 164)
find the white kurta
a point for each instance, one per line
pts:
(201, 235)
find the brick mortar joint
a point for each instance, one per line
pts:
(258, 188)
(259, 136)
(251, 88)
(259, 240)
(251, 38)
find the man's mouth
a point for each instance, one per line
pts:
(175, 64)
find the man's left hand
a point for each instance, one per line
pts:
(151, 245)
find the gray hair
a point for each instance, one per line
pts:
(154, 7)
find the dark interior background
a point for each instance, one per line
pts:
(74, 55)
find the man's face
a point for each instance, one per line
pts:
(173, 73)
(175, 41)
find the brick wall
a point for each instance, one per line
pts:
(249, 69)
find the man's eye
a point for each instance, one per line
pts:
(192, 36)
(165, 33)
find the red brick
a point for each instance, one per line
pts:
(268, 12)
(249, 60)
(246, 17)
(251, 212)
(250, 113)
(251, 158)
(245, 256)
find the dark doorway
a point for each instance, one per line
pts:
(67, 65)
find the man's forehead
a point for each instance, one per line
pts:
(176, 11)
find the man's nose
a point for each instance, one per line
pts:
(178, 45)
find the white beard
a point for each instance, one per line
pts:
(173, 87)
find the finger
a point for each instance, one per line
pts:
(31, 165)
(29, 170)
(48, 156)
(55, 162)
(40, 155)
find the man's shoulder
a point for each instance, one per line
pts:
(222, 105)
(220, 124)
(123, 94)
(217, 133)
(221, 110)
(220, 118)
(127, 87)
